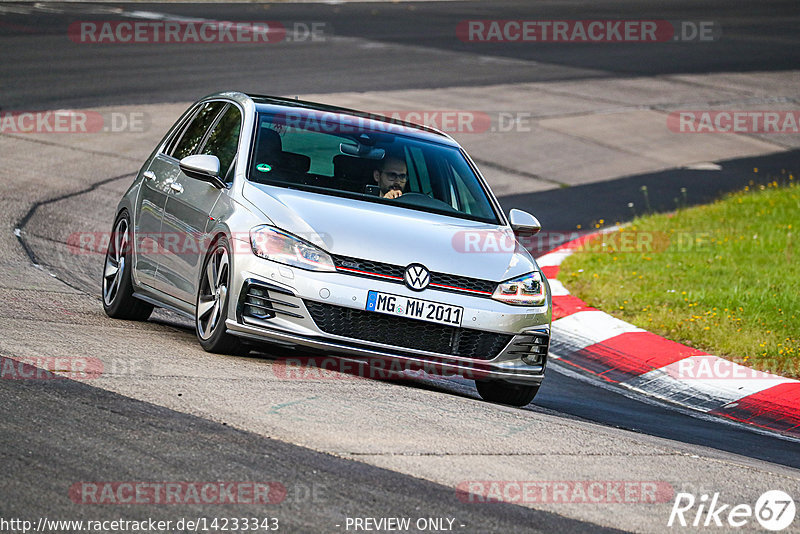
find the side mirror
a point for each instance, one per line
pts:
(203, 167)
(523, 222)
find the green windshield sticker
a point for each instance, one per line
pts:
(263, 167)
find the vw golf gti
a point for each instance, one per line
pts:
(272, 220)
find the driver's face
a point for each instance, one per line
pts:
(393, 176)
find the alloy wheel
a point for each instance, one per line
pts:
(213, 293)
(115, 261)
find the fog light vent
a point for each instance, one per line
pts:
(532, 349)
(257, 304)
(258, 301)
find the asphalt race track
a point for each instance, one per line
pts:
(758, 37)
(345, 448)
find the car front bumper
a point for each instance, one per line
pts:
(290, 321)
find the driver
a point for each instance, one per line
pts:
(391, 176)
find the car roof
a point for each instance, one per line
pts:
(369, 121)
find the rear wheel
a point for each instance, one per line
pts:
(505, 392)
(213, 296)
(118, 299)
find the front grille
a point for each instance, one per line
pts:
(369, 266)
(406, 333)
(394, 273)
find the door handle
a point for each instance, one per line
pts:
(149, 175)
(178, 188)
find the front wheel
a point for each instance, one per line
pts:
(118, 299)
(505, 392)
(213, 295)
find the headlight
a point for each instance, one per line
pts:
(276, 245)
(527, 290)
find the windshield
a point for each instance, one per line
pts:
(308, 151)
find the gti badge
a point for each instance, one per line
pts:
(417, 277)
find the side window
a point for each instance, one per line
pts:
(194, 133)
(169, 146)
(223, 141)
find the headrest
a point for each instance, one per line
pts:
(295, 162)
(269, 146)
(352, 168)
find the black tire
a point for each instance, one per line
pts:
(211, 304)
(117, 286)
(505, 392)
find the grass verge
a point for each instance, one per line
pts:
(723, 278)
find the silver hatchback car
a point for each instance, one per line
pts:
(266, 219)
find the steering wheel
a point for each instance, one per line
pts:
(421, 199)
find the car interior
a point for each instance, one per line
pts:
(344, 163)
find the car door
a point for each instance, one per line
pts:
(189, 204)
(151, 201)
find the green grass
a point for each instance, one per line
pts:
(723, 278)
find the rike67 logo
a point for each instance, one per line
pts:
(774, 510)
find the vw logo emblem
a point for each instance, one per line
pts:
(417, 277)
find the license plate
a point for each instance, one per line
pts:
(424, 310)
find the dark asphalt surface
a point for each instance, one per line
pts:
(69, 432)
(756, 36)
(42, 452)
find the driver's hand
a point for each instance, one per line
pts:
(394, 193)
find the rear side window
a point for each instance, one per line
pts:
(223, 141)
(196, 130)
